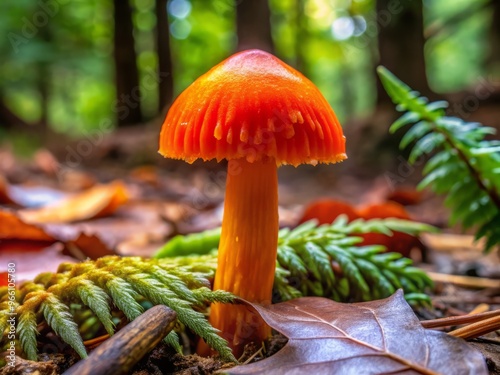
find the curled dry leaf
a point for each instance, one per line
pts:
(99, 201)
(378, 337)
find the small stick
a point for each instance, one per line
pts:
(95, 342)
(477, 329)
(474, 300)
(121, 352)
(462, 319)
(482, 307)
(466, 281)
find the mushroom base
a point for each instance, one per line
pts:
(247, 250)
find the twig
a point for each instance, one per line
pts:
(477, 329)
(95, 342)
(467, 300)
(462, 319)
(121, 352)
(466, 281)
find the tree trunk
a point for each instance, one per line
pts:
(401, 44)
(8, 119)
(300, 37)
(494, 57)
(43, 80)
(165, 77)
(128, 97)
(253, 25)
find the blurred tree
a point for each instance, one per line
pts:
(494, 57)
(401, 44)
(128, 93)
(9, 119)
(300, 37)
(253, 25)
(43, 78)
(165, 77)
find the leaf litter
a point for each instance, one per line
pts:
(378, 337)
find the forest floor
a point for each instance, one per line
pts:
(168, 198)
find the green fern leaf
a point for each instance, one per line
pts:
(59, 318)
(466, 164)
(27, 328)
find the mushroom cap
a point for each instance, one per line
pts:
(254, 106)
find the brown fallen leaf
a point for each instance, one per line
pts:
(27, 196)
(16, 232)
(99, 201)
(4, 192)
(406, 196)
(30, 261)
(13, 228)
(136, 229)
(378, 337)
(45, 161)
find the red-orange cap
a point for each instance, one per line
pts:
(252, 105)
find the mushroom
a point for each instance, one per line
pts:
(258, 113)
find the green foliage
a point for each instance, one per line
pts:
(306, 254)
(359, 273)
(124, 283)
(464, 165)
(196, 243)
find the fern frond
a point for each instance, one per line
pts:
(59, 318)
(465, 165)
(27, 328)
(109, 282)
(306, 253)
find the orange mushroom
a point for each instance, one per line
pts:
(257, 112)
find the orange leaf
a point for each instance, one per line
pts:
(4, 192)
(327, 210)
(99, 201)
(383, 210)
(399, 242)
(13, 228)
(405, 196)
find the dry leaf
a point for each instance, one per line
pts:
(31, 260)
(138, 229)
(98, 201)
(405, 196)
(13, 228)
(46, 162)
(32, 196)
(16, 232)
(378, 337)
(399, 242)
(327, 210)
(5, 197)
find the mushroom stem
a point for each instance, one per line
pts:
(247, 250)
